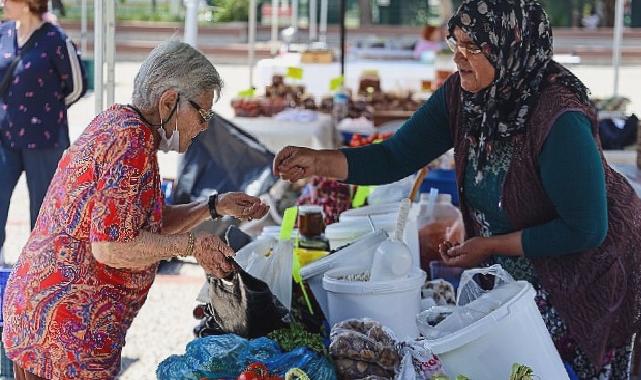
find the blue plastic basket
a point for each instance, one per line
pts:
(6, 365)
(4, 277)
(444, 180)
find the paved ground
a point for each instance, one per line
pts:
(164, 324)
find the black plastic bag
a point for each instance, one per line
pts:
(243, 305)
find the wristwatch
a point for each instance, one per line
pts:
(213, 199)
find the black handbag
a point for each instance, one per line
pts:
(243, 305)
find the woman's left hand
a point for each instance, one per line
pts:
(469, 254)
(241, 206)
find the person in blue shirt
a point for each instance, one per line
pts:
(44, 76)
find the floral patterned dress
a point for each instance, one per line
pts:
(65, 314)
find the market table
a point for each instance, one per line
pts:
(276, 134)
(395, 75)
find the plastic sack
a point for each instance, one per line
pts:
(242, 305)
(476, 282)
(363, 348)
(481, 292)
(272, 263)
(418, 363)
(258, 247)
(225, 356)
(391, 193)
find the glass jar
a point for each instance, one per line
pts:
(310, 221)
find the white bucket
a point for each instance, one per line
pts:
(393, 303)
(273, 232)
(514, 333)
(384, 217)
(341, 234)
(359, 254)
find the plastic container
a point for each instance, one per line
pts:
(513, 333)
(273, 232)
(358, 255)
(441, 271)
(384, 217)
(444, 180)
(6, 365)
(393, 303)
(4, 277)
(341, 234)
(310, 221)
(306, 256)
(438, 221)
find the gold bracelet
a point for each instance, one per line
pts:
(190, 246)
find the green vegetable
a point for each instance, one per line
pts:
(296, 374)
(461, 377)
(440, 377)
(295, 336)
(521, 372)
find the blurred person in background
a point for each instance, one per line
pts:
(41, 77)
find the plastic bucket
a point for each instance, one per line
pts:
(341, 234)
(359, 254)
(4, 277)
(393, 303)
(513, 333)
(384, 217)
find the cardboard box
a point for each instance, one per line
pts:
(321, 56)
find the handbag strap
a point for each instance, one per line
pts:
(6, 80)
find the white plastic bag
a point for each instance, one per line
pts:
(248, 252)
(392, 192)
(258, 258)
(473, 302)
(469, 289)
(271, 262)
(418, 363)
(279, 272)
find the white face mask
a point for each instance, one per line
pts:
(170, 143)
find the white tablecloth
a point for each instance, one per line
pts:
(395, 75)
(275, 134)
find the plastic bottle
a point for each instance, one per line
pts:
(393, 258)
(438, 221)
(340, 109)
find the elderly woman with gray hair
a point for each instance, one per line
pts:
(89, 263)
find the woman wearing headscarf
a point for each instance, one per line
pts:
(89, 263)
(536, 192)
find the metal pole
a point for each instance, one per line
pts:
(618, 36)
(191, 23)
(175, 7)
(98, 54)
(252, 40)
(343, 32)
(83, 26)
(274, 42)
(313, 16)
(110, 42)
(295, 14)
(323, 21)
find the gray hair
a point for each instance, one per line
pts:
(174, 65)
